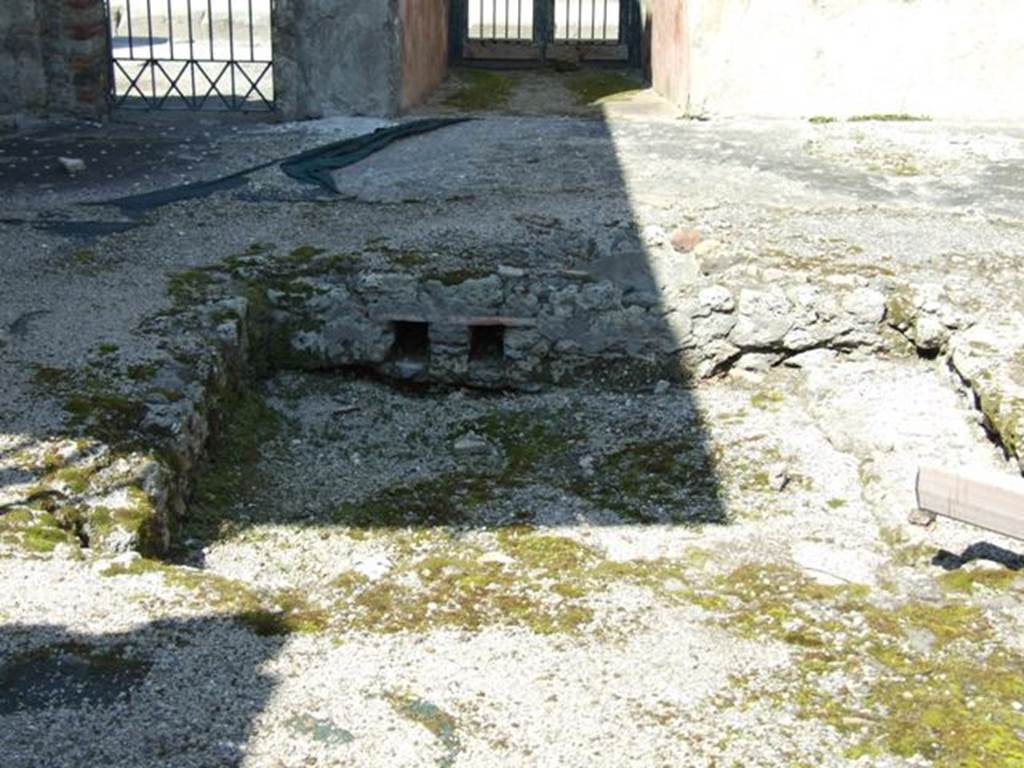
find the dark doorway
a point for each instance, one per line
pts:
(412, 340)
(487, 344)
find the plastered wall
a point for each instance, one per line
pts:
(941, 58)
(424, 48)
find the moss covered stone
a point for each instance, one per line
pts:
(190, 286)
(45, 538)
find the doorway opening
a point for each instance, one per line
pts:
(191, 55)
(538, 31)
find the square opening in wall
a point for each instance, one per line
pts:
(412, 340)
(487, 343)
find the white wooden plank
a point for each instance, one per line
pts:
(992, 502)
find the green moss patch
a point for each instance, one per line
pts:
(919, 678)
(767, 599)
(656, 480)
(106, 414)
(44, 376)
(888, 117)
(94, 402)
(75, 479)
(966, 580)
(455, 589)
(532, 444)
(535, 580)
(1006, 417)
(901, 310)
(1002, 406)
(265, 614)
(38, 530)
(527, 439)
(767, 399)
(304, 254)
(190, 286)
(142, 372)
(664, 480)
(84, 258)
(15, 518)
(228, 470)
(903, 552)
(441, 724)
(592, 86)
(480, 90)
(407, 258)
(437, 501)
(61, 506)
(44, 539)
(454, 277)
(138, 522)
(551, 554)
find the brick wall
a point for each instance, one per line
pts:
(82, 53)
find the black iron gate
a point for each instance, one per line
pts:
(191, 54)
(540, 30)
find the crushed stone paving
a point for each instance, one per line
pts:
(666, 657)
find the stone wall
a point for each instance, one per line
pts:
(793, 58)
(53, 57)
(504, 329)
(337, 57)
(515, 328)
(21, 60)
(512, 328)
(81, 52)
(352, 57)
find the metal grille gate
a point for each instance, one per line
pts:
(588, 21)
(543, 29)
(191, 54)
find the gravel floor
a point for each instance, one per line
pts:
(367, 575)
(546, 616)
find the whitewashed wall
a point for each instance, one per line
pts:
(942, 58)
